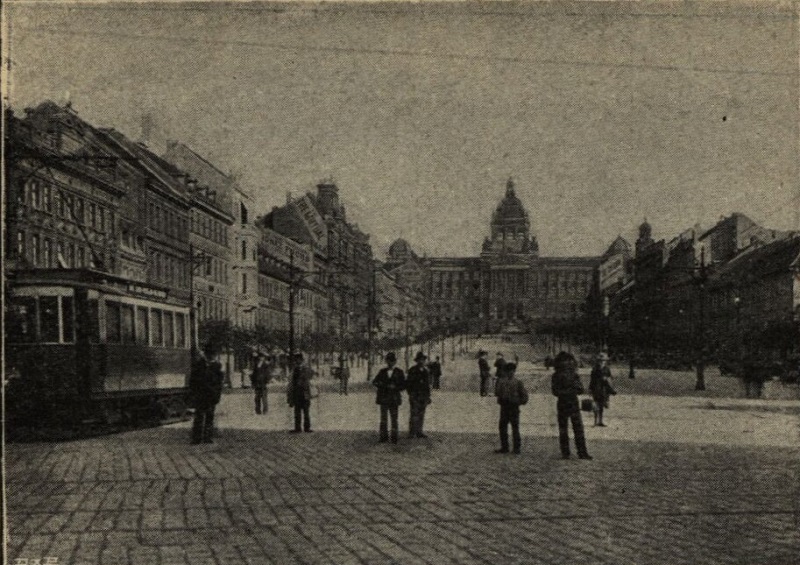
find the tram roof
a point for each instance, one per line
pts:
(90, 278)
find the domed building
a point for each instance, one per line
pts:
(509, 285)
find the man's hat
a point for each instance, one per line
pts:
(500, 354)
(391, 356)
(420, 357)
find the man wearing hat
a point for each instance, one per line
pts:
(500, 367)
(389, 382)
(418, 386)
(485, 372)
(205, 386)
(298, 394)
(259, 379)
(600, 387)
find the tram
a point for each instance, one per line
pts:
(87, 346)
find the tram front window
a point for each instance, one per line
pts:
(48, 308)
(21, 320)
(67, 317)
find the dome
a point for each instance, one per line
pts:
(510, 210)
(399, 246)
(401, 250)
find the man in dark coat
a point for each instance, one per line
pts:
(259, 379)
(601, 387)
(566, 385)
(419, 395)
(485, 371)
(511, 394)
(389, 382)
(499, 368)
(298, 394)
(205, 387)
(435, 370)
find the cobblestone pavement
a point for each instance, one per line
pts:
(259, 495)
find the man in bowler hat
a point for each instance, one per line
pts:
(298, 394)
(205, 387)
(419, 395)
(485, 372)
(389, 382)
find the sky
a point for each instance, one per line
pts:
(604, 113)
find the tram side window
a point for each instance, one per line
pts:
(93, 321)
(155, 327)
(127, 323)
(21, 322)
(169, 335)
(112, 322)
(180, 327)
(142, 326)
(68, 318)
(48, 316)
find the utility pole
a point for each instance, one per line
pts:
(292, 283)
(701, 341)
(370, 322)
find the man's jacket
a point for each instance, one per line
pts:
(205, 383)
(510, 391)
(389, 386)
(418, 384)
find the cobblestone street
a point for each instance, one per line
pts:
(715, 483)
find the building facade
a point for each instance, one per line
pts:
(508, 287)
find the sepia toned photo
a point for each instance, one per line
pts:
(415, 283)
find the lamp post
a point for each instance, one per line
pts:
(701, 277)
(606, 312)
(632, 334)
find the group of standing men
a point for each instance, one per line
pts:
(206, 383)
(390, 383)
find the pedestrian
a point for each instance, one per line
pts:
(390, 382)
(566, 385)
(418, 385)
(435, 370)
(601, 387)
(205, 387)
(298, 394)
(485, 372)
(499, 368)
(344, 379)
(511, 394)
(259, 379)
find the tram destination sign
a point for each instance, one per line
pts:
(147, 291)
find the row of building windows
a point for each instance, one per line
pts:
(217, 270)
(270, 288)
(213, 308)
(209, 228)
(168, 222)
(64, 204)
(47, 253)
(169, 270)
